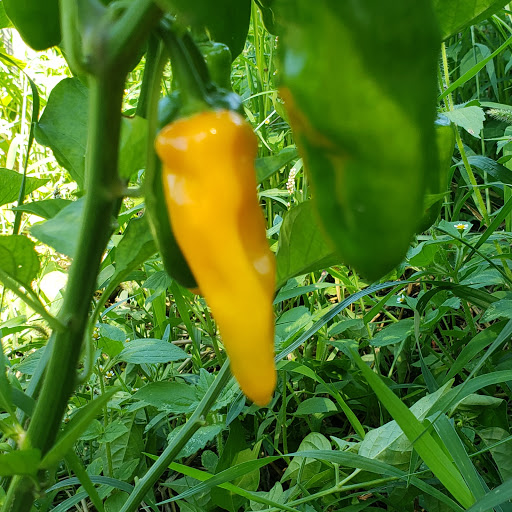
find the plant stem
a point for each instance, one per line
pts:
(172, 450)
(101, 201)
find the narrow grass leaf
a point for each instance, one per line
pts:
(454, 445)
(424, 444)
(498, 496)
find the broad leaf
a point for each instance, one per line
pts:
(455, 15)
(61, 231)
(227, 21)
(18, 258)
(150, 350)
(63, 126)
(45, 209)
(10, 184)
(22, 462)
(302, 246)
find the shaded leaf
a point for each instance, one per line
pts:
(63, 126)
(18, 258)
(151, 350)
(10, 184)
(61, 231)
(45, 209)
(302, 246)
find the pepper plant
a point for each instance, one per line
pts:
(165, 194)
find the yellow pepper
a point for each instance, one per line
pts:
(210, 190)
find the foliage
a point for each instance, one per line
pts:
(391, 395)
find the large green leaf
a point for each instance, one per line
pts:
(18, 258)
(10, 184)
(46, 209)
(455, 15)
(302, 246)
(63, 126)
(61, 231)
(227, 21)
(22, 462)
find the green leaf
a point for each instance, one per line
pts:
(499, 309)
(132, 146)
(135, 247)
(492, 168)
(18, 258)
(235, 452)
(427, 448)
(500, 453)
(389, 444)
(175, 397)
(470, 118)
(61, 231)
(198, 441)
(114, 431)
(394, 333)
(455, 15)
(151, 351)
(45, 209)
(269, 165)
(302, 246)
(63, 126)
(5, 22)
(423, 254)
(21, 462)
(474, 347)
(498, 496)
(227, 21)
(74, 429)
(10, 184)
(315, 405)
(5, 388)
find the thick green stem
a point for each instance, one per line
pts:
(103, 186)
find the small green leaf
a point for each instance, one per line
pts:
(269, 165)
(198, 441)
(310, 467)
(151, 350)
(133, 144)
(315, 405)
(75, 428)
(394, 333)
(174, 397)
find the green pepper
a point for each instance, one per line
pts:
(37, 21)
(156, 209)
(218, 60)
(362, 104)
(437, 179)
